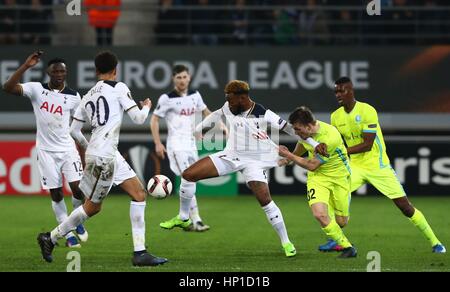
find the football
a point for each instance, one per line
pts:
(159, 186)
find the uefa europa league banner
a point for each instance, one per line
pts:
(393, 79)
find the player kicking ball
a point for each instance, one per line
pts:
(102, 108)
(248, 150)
(328, 180)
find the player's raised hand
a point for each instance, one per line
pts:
(322, 149)
(160, 150)
(147, 102)
(33, 59)
(284, 151)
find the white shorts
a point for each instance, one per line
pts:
(98, 177)
(53, 165)
(123, 170)
(180, 160)
(227, 162)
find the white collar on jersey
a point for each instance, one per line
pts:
(59, 91)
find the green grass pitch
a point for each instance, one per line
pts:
(240, 239)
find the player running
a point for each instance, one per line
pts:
(328, 181)
(102, 107)
(248, 150)
(54, 104)
(358, 124)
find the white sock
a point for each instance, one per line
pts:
(193, 212)
(275, 218)
(60, 210)
(187, 191)
(76, 203)
(75, 218)
(137, 218)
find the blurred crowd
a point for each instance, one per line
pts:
(248, 22)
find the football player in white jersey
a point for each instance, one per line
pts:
(249, 150)
(102, 108)
(54, 104)
(179, 108)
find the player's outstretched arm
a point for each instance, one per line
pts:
(154, 128)
(77, 135)
(12, 85)
(309, 164)
(320, 148)
(138, 116)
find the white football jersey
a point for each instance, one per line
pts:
(103, 107)
(248, 134)
(180, 112)
(52, 109)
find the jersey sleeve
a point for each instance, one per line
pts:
(80, 113)
(274, 119)
(162, 107)
(29, 89)
(201, 106)
(75, 105)
(370, 120)
(125, 98)
(332, 119)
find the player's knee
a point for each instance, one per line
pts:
(342, 221)
(91, 209)
(408, 210)
(139, 196)
(57, 195)
(323, 218)
(78, 194)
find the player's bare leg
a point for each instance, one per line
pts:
(418, 219)
(273, 213)
(60, 210)
(201, 169)
(138, 194)
(77, 201)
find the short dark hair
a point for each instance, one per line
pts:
(178, 69)
(55, 61)
(105, 62)
(343, 80)
(302, 115)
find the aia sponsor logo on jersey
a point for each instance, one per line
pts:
(51, 108)
(187, 112)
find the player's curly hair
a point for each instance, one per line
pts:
(302, 115)
(237, 87)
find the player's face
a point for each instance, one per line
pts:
(57, 73)
(234, 103)
(181, 81)
(303, 131)
(343, 93)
